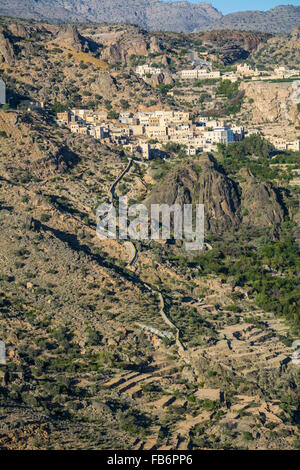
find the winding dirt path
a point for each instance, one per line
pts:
(117, 181)
(133, 253)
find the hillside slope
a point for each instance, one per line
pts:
(89, 365)
(138, 344)
(282, 50)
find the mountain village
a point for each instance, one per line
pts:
(147, 133)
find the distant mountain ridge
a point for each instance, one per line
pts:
(148, 14)
(154, 15)
(282, 19)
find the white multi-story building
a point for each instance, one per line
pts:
(143, 118)
(146, 69)
(2, 92)
(204, 73)
(194, 74)
(219, 135)
(212, 123)
(246, 70)
(295, 145)
(190, 74)
(74, 127)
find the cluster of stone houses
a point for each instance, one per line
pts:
(148, 132)
(202, 73)
(194, 73)
(242, 71)
(283, 145)
(245, 70)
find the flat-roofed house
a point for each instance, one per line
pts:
(100, 132)
(222, 135)
(189, 74)
(83, 130)
(156, 131)
(137, 130)
(146, 69)
(144, 150)
(194, 74)
(190, 150)
(74, 127)
(64, 117)
(294, 146)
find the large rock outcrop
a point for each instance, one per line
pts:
(105, 85)
(69, 35)
(19, 30)
(231, 46)
(228, 204)
(7, 53)
(155, 80)
(140, 44)
(204, 183)
(260, 204)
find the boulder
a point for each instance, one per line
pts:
(106, 85)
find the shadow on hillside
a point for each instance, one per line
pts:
(73, 242)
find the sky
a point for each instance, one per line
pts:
(229, 6)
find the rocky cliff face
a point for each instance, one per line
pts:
(149, 14)
(19, 30)
(220, 196)
(271, 101)
(260, 204)
(140, 44)
(234, 45)
(12, 34)
(156, 80)
(7, 53)
(69, 35)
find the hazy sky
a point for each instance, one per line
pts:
(229, 6)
